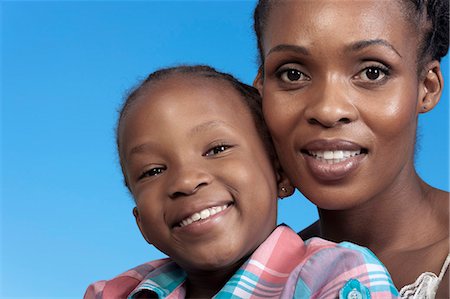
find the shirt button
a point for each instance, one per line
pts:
(354, 294)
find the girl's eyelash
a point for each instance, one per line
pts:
(217, 149)
(148, 172)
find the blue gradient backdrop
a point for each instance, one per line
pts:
(65, 216)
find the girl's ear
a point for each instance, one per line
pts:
(258, 82)
(431, 86)
(139, 223)
(284, 185)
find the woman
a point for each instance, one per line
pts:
(343, 83)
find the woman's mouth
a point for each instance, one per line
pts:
(333, 160)
(334, 156)
(202, 215)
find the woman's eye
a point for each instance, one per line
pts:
(152, 172)
(373, 74)
(292, 75)
(216, 150)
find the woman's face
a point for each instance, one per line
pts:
(341, 97)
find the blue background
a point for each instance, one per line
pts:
(66, 218)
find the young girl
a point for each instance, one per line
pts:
(343, 83)
(199, 163)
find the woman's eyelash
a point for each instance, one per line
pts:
(291, 74)
(383, 68)
(374, 73)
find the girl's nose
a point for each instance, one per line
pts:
(331, 106)
(187, 180)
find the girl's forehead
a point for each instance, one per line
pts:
(174, 108)
(193, 93)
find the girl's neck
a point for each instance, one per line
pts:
(206, 284)
(392, 220)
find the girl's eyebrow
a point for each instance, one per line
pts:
(199, 129)
(208, 125)
(145, 147)
(359, 45)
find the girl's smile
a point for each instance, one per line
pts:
(202, 215)
(204, 185)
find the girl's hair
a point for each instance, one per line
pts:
(249, 95)
(430, 16)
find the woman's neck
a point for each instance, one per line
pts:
(392, 220)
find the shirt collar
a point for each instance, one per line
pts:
(273, 260)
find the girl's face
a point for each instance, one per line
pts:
(204, 186)
(341, 97)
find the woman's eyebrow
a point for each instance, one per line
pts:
(290, 48)
(356, 46)
(359, 45)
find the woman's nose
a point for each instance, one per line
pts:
(331, 105)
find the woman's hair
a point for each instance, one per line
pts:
(431, 18)
(249, 95)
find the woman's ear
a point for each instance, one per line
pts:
(284, 185)
(139, 223)
(431, 86)
(259, 80)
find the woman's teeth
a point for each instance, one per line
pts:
(331, 157)
(203, 214)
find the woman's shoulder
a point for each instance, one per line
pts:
(429, 285)
(124, 283)
(342, 268)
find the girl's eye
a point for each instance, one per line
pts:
(152, 172)
(373, 74)
(292, 75)
(216, 150)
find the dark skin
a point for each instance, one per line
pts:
(342, 76)
(183, 157)
(406, 250)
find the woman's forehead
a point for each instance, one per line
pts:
(346, 22)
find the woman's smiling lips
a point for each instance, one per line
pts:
(331, 160)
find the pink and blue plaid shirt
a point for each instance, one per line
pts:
(282, 267)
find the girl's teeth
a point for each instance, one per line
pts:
(203, 214)
(331, 157)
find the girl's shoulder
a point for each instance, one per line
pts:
(311, 231)
(124, 283)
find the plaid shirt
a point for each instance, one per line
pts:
(282, 267)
